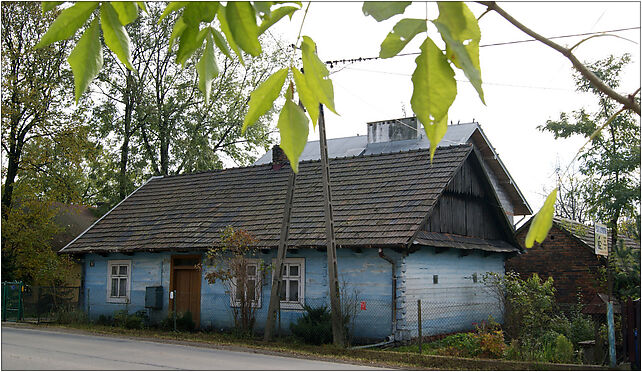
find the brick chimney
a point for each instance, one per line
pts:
(279, 159)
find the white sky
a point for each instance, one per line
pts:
(524, 84)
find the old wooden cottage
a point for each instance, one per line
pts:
(406, 229)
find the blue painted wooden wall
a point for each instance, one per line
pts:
(456, 302)
(452, 304)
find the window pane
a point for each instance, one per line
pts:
(114, 270)
(294, 290)
(122, 289)
(114, 287)
(294, 270)
(251, 270)
(237, 293)
(251, 295)
(123, 270)
(282, 293)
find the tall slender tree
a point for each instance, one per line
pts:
(611, 164)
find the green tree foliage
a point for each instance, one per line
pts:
(45, 143)
(611, 165)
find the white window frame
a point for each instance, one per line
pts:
(258, 286)
(121, 299)
(295, 305)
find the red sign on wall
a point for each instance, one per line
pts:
(363, 305)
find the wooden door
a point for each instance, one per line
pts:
(186, 280)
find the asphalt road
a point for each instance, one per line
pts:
(31, 349)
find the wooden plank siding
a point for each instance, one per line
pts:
(466, 207)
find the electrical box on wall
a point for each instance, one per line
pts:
(154, 297)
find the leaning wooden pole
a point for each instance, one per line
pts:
(333, 282)
(280, 257)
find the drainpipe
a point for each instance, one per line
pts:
(394, 293)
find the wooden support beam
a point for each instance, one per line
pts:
(441, 250)
(333, 281)
(280, 257)
(464, 252)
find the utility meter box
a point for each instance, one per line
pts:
(154, 297)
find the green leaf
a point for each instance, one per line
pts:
(381, 10)
(316, 74)
(173, 6)
(207, 69)
(48, 5)
(262, 99)
(434, 90)
(199, 11)
(191, 39)
(275, 16)
(242, 23)
(177, 31)
(86, 59)
(263, 7)
(459, 29)
(228, 33)
(67, 23)
(141, 4)
(115, 35)
(127, 11)
(404, 31)
(542, 222)
(220, 42)
(307, 96)
(293, 127)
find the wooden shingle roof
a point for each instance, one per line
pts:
(379, 200)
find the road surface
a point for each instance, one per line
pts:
(31, 349)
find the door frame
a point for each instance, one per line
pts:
(172, 276)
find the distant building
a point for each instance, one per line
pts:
(568, 256)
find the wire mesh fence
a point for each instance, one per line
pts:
(42, 303)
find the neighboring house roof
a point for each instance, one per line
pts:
(585, 234)
(456, 134)
(378, 200)
(73, 219)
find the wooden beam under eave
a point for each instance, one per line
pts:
(464, 252)
(441, 249)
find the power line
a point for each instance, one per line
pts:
(363, 59)
(462, 81)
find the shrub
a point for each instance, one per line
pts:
(184, 322)
(71, 316)
(491, 344)
(314, 327)
(122, 318)
(104, 320)
(563, 350)
(459, 344)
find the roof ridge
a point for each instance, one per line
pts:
(363, 156)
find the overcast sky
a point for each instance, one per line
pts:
(524, 83)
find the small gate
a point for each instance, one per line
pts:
(12, 301)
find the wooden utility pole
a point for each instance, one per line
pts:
(333, 282)
(280, 257)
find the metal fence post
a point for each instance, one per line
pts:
(419, 325)
(88, 303)
(20, 304)
(174, 303)
(4, 302)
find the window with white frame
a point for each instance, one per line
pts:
(252, 287)
(292, 293)
(118, 280)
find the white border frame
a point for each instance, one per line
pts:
(293, 305)
(119, 300)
